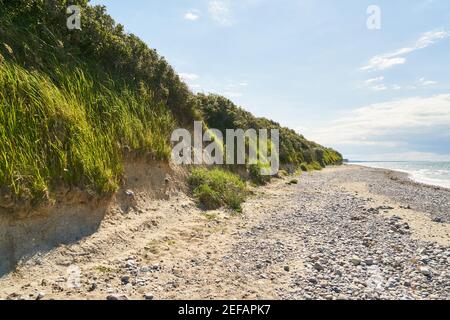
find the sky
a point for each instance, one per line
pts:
(371, 82)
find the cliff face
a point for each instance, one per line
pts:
(74, 101)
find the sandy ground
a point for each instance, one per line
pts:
(344, 233)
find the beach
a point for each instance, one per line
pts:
(346, 232)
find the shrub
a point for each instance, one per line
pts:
(216, 188)
(304, 166)
(255, 175)
(315, 166)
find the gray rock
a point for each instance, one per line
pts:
(125, 279)
(115, 297)
(40, 295)
(425, 271)
(318, 266)
(148, 296)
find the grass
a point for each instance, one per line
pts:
(255, 175)
(71, 130)
(310, 166)
(217, 188)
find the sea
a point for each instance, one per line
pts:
(432, 173)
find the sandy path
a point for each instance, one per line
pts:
(323, 238)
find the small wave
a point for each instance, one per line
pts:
(431, 173)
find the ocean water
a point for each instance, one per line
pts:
(433, 173)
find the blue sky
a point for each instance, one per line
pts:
(314, 66)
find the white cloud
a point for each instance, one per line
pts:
(386, 61)
(401, 156)
(375, 84)
(192, 15)
(379, 87)
(373, 80)
(424, 82)
(376, 124)
(189, 76)
(220, 12)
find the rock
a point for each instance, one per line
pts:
(92, 287)
(355, 260)
(425, 271)
(286, 268)
(125, 279)
(130, 264)
(40, 296)
(425, 259)
(313, 280)
(113, 297)
(438, 220)
(318, 266)
(369, 262)
(155, 267)
(148, 296)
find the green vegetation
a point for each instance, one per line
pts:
(221, 113)
(72, 102)
(256, 176)
(216, 188)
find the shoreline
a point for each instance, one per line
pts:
(347, 232)
(409, 175)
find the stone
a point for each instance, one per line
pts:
(355, 260)
(369, 262)
(425, 271)
(40, 296)
(148, 296)
(116, 297)
(318, 266)
(125, 279)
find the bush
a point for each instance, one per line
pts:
(315, 166)
(216, 188)
(255, 175)
(304, 166)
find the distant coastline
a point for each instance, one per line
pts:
(427, 172)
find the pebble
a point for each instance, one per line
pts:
(114, 297)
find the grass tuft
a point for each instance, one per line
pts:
(216, 188)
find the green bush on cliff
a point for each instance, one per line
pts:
(216, 188)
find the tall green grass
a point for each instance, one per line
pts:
(71, 130)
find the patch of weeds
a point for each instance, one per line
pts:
(217, 188)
